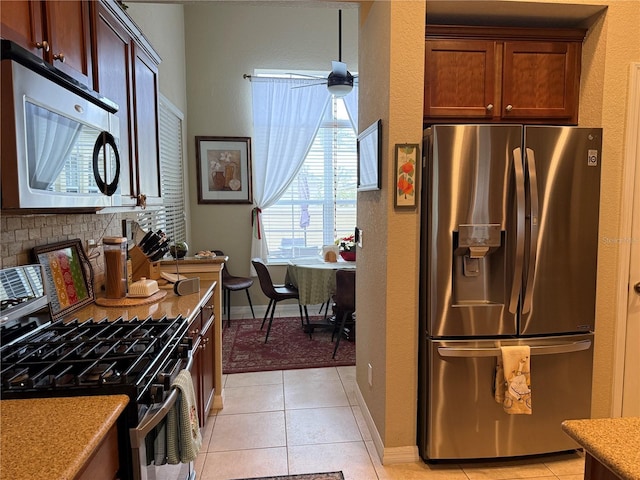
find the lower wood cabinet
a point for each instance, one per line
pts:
(104, 463)
(202, 371)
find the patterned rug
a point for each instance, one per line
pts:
(288, 348)
(308, 476)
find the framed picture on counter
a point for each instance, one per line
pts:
(224, 169)
(67, 276)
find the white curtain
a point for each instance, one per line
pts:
(286, 117)
(52, 138)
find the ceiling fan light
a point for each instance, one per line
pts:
(339, 85)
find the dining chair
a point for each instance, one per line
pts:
(344, 302)
(275, 293)
(232, 283)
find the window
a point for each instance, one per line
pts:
(171, 218)
(320, 204)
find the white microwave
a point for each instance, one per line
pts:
(59, 148)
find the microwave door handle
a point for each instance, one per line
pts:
(106, 139)
(520, 220)
(530, 161)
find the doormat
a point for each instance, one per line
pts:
(288, 348)
(306, 476)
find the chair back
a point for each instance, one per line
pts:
(266, 284)
(225, 270)
(345, 296)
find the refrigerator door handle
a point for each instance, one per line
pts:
(552, 349)
(530, 161)
(520, 237)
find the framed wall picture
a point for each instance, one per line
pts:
(67, 276)
(407, 175)
(224, 169)
(370, 157)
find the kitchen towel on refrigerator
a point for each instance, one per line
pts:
(513, 379)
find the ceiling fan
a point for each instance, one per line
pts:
(340, 80)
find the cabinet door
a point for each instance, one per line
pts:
(21, 22)
(145, 80)
(206, 371)
(459, 79)
(541, 80)
(69, 36)
(113, 80)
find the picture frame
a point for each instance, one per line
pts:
(370, 157)
(67, 276)
(407, 176)
(224, 170)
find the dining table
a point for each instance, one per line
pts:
(315, 280)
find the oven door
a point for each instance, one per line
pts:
(147, 442)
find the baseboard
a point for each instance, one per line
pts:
(387, 456)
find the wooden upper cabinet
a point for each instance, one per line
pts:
(21, 22)
(497, 74)
(57, 31)
(460, 78)
(113, 79)
(127, 73)
(145, 80)
(541, 80)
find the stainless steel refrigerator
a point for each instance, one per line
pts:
(508, 257)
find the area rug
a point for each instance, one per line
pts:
(307, 476)
(288, 348)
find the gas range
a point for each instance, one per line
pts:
(136, 357)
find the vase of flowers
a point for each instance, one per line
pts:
(347, 248)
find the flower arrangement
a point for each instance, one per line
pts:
(347, 244)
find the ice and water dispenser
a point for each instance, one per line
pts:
(478, 264)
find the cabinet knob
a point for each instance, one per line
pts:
(59, 56)
(489, 107)
(508, 108)
(636, 287)
(43, 45)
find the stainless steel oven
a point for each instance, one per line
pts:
(139, 358)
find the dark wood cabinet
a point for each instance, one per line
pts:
(460, 79)
(127, 73)
(57, 31)
(502, 74)
(202, 371)
(541, 80)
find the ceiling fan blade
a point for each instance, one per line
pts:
(339, 68)
(311, 84)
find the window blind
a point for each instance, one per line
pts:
(320, 204)
(171, 217)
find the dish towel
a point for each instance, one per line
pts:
(183, 432)
(512, 384)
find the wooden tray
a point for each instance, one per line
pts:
(130, 301)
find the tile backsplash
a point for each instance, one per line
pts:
(20, 233)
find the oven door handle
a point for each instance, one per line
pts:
(138, 434)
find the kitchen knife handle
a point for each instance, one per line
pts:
(520, 219)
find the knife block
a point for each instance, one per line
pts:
(142, 266)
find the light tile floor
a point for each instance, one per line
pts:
(304, 421)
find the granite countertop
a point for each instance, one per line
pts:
(171, 306)
(47, 438)
(614, 442)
